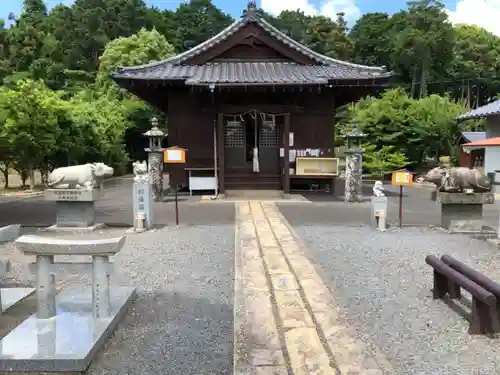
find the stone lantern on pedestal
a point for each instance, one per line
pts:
(155, 158)
(354, 165)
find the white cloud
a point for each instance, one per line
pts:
(484, 13)
(328, 8)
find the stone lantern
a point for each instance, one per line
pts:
(155, 158)
(354, 165)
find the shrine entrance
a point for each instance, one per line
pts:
(252, 142)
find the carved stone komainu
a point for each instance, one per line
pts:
(141, 175)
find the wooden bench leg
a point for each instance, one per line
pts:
(484, 318)
(440, 286)
(453, 290)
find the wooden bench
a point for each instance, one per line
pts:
(477, 277)
(484, 304)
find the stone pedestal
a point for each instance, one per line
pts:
(143, 202)
(463, 213)
(75, 209)
(379, 213)
(68, 328)
(353, 178)
(155, 170)
(10, 296)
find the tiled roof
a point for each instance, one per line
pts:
(247, 73)
(252, 72)
(484, 111)
(474, 136)
(484, 143)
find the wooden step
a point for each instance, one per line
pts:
(254, 194)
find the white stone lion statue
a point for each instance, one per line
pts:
(84, 176)
(141, 174)
(378, 189)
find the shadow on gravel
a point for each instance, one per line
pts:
(170, 334)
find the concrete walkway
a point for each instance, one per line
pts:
(285, 316)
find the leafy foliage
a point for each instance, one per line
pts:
(419, 128)
(381, 162)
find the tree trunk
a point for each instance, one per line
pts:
(31, 174)
(423, 82)
(24, 177)
(5, 172)
(414, 83)
(44, 175)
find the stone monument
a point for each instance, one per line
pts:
(354, 166)
(10, 296)
(143, 196)
(155, 158)
(379, 206)
(75, 190)
(70, 327)
(462, 193)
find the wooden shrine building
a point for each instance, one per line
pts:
(251, 104)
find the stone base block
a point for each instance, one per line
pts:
(466, 226)
(464, 198)
(11, 296)
(67, 342)
(91, 228)
(495, 242)
(75, 214)
(9, 233)
(459, 214)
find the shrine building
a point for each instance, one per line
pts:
(253, 108)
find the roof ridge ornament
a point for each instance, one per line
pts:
(251, 10)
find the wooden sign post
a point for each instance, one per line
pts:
(175, 155)
(401, 178)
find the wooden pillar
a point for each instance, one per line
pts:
(334, 112)
(286, 157)
(220, 151)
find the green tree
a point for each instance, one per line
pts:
(32, 114)
(328, 37)
(417, 128)
(197, 21)
(106, 120)
(476, 61)
(26, 38)
(423, 41)
(380, 162)
(141, 48)
(372, 40)
(85, 30)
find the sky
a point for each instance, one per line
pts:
(484, 13)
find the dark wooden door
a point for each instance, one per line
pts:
(269, 146)
(234, 146)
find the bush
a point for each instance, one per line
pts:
(380, 162)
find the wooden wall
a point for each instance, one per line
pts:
(191, 115)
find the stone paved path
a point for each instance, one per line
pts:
(285, 316)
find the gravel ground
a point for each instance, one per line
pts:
(383, 287)
(182, 321)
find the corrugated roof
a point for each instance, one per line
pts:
(484, 111)
(484, 143)
(474, 136)
(172, 68)
(245, 73)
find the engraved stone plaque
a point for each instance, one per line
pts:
(143, 202)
